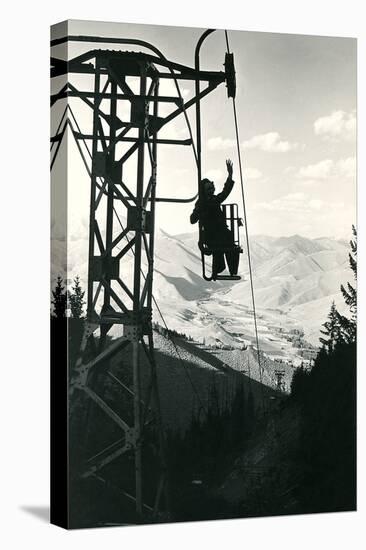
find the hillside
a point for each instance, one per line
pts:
(295, 281)
(187, 374)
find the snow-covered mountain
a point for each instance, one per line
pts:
(295, 281)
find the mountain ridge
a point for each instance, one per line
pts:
(295, 276)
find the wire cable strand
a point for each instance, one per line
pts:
(246, 230)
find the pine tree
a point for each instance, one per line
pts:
(76, 299)
(59, 299)
(332, 330)
(349, 326)
(299, 383)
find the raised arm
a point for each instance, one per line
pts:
(229, 184)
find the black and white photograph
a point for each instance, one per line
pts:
(203, 278)
(182, 273)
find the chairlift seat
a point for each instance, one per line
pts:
(227, 278)
(233, 223)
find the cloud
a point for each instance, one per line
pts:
(307, 182)
(289, 170)
(288, 203)
(174, 130)
(337, 126)
(328, 168)
(316, 204)
(220, 144)
(347, 167)
(252, 174)
(215, 175)
(297, 205)
(166, 87)
(320, 170)
(218, 175)
(270, 142)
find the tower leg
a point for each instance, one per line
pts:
(137, 426)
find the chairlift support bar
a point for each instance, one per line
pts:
(231, 91)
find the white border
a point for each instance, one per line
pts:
(24, 272)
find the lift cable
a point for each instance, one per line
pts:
(246, 231)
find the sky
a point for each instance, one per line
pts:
(296, 105)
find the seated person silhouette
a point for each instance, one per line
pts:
(217, 235)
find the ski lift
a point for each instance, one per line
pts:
(233, 222)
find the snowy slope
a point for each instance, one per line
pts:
(295, 280)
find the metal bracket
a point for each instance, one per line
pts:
(139, 111)
(230, 75)
(90, 328)
(154, 172)
(139, 219)
(130, 438)
(135, 325)
(104, 165)
(103, 267)
(132, 332)
(100, 163)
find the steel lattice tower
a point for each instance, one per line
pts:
(111, 298)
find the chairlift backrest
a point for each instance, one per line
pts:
(233, 222)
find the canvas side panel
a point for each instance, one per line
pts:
(59, 321)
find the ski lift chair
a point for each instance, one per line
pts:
(233, 223)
